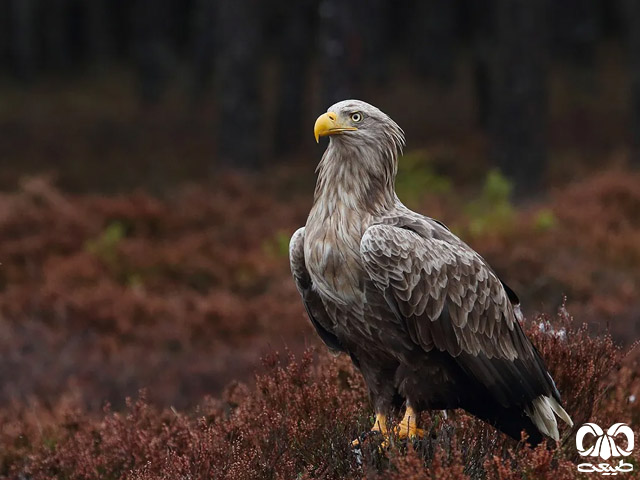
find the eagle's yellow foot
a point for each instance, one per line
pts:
(408, 427)
(379, 427)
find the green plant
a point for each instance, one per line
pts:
(544, 220)
(416, 177)
(105, 246)
(277, 246)
(493, 210)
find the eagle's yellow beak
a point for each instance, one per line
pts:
(327, 124)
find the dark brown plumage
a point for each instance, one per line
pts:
(422, 315)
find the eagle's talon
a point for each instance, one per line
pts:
(408, 428)
(379, 428)
(385, 444)
(408, 431)
(357, 443)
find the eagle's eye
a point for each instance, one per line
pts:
(356, 117)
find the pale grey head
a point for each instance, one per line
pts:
(360, 164)
(354, 124)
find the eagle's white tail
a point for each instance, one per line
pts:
(543, 413)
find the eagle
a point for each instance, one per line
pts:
(424, 318)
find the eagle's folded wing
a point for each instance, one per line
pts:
(310, 298)
(450, 300)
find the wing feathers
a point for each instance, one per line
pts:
(541, 413)
(450, 300)
(559, 411)
(316, 310)
(425, 275)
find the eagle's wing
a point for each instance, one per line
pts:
(312, 302)
(450, 300)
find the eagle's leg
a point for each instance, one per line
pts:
(408, 426)
(382, 392)
(380, 424)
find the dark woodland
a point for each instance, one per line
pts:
(156, 156)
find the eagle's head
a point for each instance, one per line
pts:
(358, 124)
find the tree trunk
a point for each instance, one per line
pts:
(151, 48)
(632, 16)
(238, 69)
(294, 52)
(338, 52)
(576, 31)
(23, 38)
(520, 93)
(483, 45)
(375, 33)
(5, 37)
(56, 25)
(433, 41)
(203, 42)
(98, 31)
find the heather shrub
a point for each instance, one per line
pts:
(298, 420)
(189, 281)
(99, 283)
(583, 243)
(294, 420)
(102, 296)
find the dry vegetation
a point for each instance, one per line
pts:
(102, 296)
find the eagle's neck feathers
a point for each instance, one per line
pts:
(354, 187)
(356, 177)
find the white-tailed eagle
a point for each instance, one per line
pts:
(422, 315)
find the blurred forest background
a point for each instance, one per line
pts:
(111, 94)
(156, 156)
